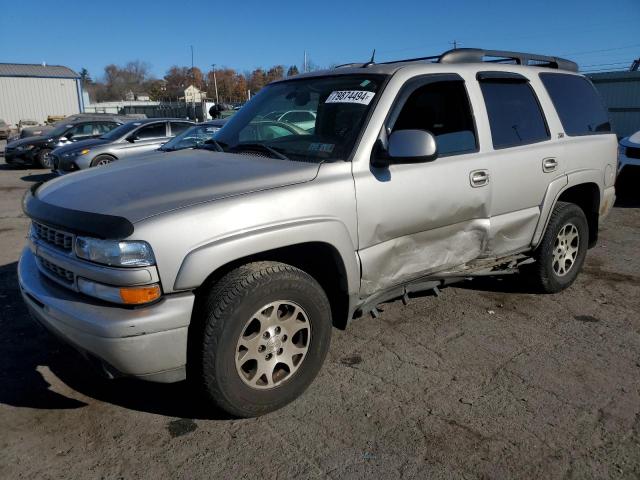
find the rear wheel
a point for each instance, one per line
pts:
(102, 160)
(259, 338)
(44, 158)
(562, 251)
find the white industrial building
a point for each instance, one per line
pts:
(33, 92)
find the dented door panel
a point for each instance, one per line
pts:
(419, 218)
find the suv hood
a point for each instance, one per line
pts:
(155, 184)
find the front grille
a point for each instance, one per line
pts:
(633, 152)
(52, 236)
(59, 272)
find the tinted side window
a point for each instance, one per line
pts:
(443, 109)
(178, 127)
(105, 127)
(577, 102)
(82, 130)
(515, 116)
(155, 130)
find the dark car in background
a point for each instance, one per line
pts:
(131, 138)
(36, 150)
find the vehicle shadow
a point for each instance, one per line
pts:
(514, 283)
(27, 350)
(38, 177)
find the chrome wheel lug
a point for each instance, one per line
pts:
(277, 330)
(261, 348)
(280, 350)
(268, 357)
(265, 335)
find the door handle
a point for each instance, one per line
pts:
(479, 178)
(549, 165)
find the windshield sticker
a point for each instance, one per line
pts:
(322, 147)
(365, 83)
(350, 96)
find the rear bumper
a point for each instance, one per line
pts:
(148, 342)
(608, 200)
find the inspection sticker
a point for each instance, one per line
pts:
(350, 96)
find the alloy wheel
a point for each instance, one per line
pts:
(273, 344)
(565, 249)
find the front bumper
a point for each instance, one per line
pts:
(147, 342)
(25, 157)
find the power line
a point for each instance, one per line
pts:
(602, 50)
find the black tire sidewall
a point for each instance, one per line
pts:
(225, 385)
(569, 214)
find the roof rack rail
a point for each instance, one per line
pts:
(474, 55)
(479, 55)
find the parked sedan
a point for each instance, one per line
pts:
(36, 150)
(132, 138)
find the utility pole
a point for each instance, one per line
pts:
(304, 66)
(215, 82)
(193, 80)
(455, 44)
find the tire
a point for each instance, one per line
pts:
(562, 251)
(228, 342)
(44, 160)
(102, 160)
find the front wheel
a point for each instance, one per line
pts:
(44, 158)
(562, 251)
(259, 338)
(101, 160)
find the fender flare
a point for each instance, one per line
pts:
(555, 189)
(201, 262)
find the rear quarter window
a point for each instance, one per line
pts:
(579, 106)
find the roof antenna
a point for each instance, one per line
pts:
(372, 61)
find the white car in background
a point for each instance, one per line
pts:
(629, 153)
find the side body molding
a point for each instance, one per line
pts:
(204, 260)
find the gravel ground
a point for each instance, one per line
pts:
(485, 381)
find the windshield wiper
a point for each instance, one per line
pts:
(213, 143)
(263, 147)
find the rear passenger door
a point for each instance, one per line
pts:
(524, 161)
(145, 139)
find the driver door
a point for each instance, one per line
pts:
(415, 219)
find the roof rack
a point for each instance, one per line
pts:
(477, 55)
(473, 55)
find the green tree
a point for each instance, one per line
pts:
(292, 71)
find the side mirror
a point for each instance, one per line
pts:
(412, 146)
(132, 138)
(64, 139)
(405, 146)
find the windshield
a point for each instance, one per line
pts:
(312, 119)
(120, 131)
(191, 138)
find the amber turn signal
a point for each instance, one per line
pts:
(139, 295)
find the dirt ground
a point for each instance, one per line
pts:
(485, 381)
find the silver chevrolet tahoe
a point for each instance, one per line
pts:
(228, 265)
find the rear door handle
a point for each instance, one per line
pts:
(479, 178)
(549, 165)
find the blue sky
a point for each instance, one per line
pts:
(244, 35)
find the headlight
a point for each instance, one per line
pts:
(25, 147)
(115, 253)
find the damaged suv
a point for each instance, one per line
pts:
(229, 264)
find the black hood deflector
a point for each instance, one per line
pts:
(96, 225)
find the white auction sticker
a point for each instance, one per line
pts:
(350, 96)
